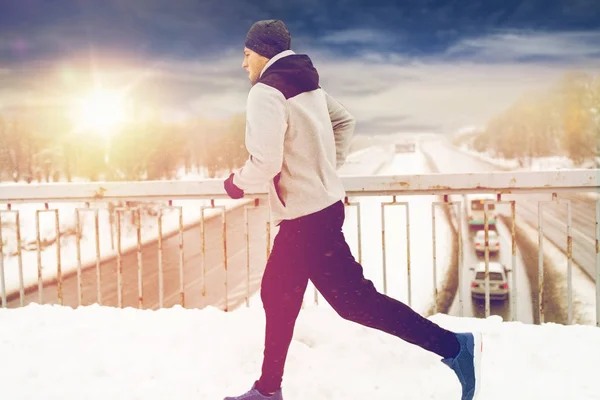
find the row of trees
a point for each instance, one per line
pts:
(40, 146)
(34, 151)
(564, 120)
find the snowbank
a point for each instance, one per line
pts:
(99, 352)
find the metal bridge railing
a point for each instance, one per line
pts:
(142, 207)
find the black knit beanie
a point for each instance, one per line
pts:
(268, 38)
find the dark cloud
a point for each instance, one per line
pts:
(189, 28)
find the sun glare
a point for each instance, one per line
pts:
(101, 112)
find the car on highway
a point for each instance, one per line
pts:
(498, 281)
(493, 242)
(476, 211)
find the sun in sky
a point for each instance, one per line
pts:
(101, 112)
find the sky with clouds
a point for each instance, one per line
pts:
(415, 65)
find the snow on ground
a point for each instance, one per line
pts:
(94, 352)
(359, 163)
(537, 163)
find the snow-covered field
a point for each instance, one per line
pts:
(537, 163)
(53, 352)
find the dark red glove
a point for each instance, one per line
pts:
(233, 191)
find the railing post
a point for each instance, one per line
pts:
(569, 256)
(19, 258)
(2, 277)
(39, 253)
(540, 264)
(448, 203)
(224, 247)
(513, 236)
(404, 204)
(180, 230)
(486, 250)
(247, 240)
(434, 258)
(598, 263)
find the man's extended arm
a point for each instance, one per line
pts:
(266, 124)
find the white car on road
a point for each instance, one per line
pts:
(493, 242)
(498, 281)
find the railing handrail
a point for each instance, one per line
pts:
(500, 182)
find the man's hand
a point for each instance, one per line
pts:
(233, 191)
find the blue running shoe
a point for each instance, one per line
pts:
(467, 364)
(254, 394)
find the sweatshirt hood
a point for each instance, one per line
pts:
(292, 74)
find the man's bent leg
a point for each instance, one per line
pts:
(339, 278)
(282, 290)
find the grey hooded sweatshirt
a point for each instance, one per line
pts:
(297, 137)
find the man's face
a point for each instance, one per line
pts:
(254, 64)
